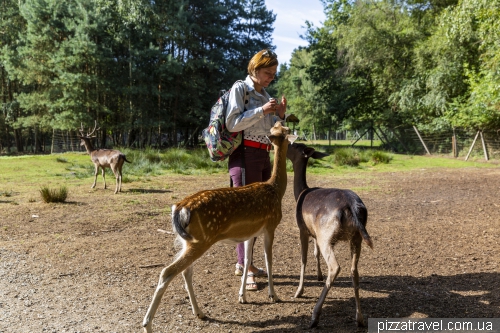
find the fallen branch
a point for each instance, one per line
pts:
(152, 266)
(66, 274)
(110, 230)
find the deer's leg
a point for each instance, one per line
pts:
(188, 279)
(333, 270)
(268, 249)
(188, 256)
(104, 176)
(115, 169)
(96, 171)
(318, 264)
(355, 253)
(248, 259)
(120, 179)
(304, 246)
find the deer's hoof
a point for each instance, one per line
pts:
(242, 299)
(299, 293)
(200, 315)
(274, 299)
(314, 323)
(147, 329)
(359, 320)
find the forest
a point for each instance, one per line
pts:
(148, 72)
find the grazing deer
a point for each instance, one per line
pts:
(232, 214)
(327, 215)
(104, 158)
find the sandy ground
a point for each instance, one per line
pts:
(80, 266)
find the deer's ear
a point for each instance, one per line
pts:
(318, 154)
(291, 138)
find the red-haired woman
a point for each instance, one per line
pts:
(253, 111)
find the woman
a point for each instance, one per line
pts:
(253, 111)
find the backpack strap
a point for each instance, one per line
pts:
(242, 147)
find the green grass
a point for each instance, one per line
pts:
(20, 173)
(343, 143)
(373, 161)
(54, 195)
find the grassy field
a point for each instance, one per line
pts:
(24, 173)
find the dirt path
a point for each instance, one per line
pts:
(76, 267)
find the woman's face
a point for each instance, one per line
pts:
(265, 76)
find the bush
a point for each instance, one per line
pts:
(380, 157)
(346, 156)
(6, 193)
(53, 195)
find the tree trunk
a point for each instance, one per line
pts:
(19, 140)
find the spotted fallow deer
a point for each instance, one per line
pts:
(234, 214)
(327, 215)
(103, 158)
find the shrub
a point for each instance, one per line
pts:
(6, 193)
(380, 157)
(346, 156)
(54, 195)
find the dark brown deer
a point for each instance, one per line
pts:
(328, 215)
(232, 214)
(104, 158)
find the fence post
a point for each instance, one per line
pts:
(52, 144)
(421, 140)
(484, 146)
(472, 146)
(454, 144)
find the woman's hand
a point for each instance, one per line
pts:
(270, 107)
(281, 108)
(273, 107)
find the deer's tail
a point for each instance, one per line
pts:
(125, 158)
(359, 212)
(180, 220)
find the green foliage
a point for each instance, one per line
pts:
(151, 70)
(394, 64)
(6, 193)
(346, 157)
(137, 67)
(355, 157)
(54, 195)
(378, 157)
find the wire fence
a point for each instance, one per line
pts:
(457, 143)
(65, 141)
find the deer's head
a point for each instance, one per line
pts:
(280, 133)
(85, 138)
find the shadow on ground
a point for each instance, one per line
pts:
(459, 296)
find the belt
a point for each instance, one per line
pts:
(254, 144)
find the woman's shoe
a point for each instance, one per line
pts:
(239, 271)
(251, 286)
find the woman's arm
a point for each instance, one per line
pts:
(237, 118)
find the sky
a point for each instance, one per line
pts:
(290, 23)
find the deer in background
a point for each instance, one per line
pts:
(328, 215)
(103, 158)
(227, 214)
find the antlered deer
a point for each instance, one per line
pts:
(327, 215)
(235, 214)
(104, 158)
